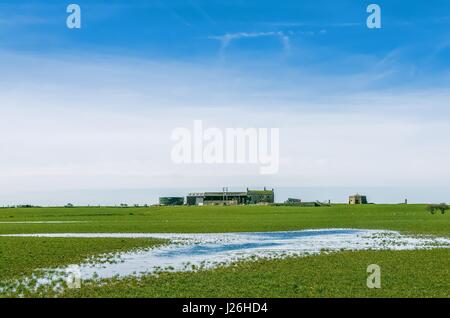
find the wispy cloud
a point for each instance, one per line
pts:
(293, 24)
(109, 120)
(203, 12)
(226, 39)
(21, 20)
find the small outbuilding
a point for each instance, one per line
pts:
(357, 199)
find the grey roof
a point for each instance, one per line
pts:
(216, 194)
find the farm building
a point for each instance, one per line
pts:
(231, 198)
(357, 199)
(171, 200)
(299, 202)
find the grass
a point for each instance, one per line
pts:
(19, 256)
(405, 273)
(422, 273)
(405, 218)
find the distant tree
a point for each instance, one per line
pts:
(443, 207)
(432, 208)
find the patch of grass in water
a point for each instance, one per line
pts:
(419, 273)
(21, 256)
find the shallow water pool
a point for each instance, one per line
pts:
(188, 252)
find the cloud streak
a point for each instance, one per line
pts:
(21, 20)
(227, 39)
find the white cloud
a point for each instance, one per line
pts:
(71, 124)
(21, 20)
(226, 39)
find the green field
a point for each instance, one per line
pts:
(405, 273)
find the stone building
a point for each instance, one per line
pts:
(357, 199)
(231, 198)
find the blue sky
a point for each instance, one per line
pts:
(318, 38)
(321, 34)
(93, 108)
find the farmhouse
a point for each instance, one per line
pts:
(357, 199)
(231, 198)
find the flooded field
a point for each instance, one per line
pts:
(190, 252)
